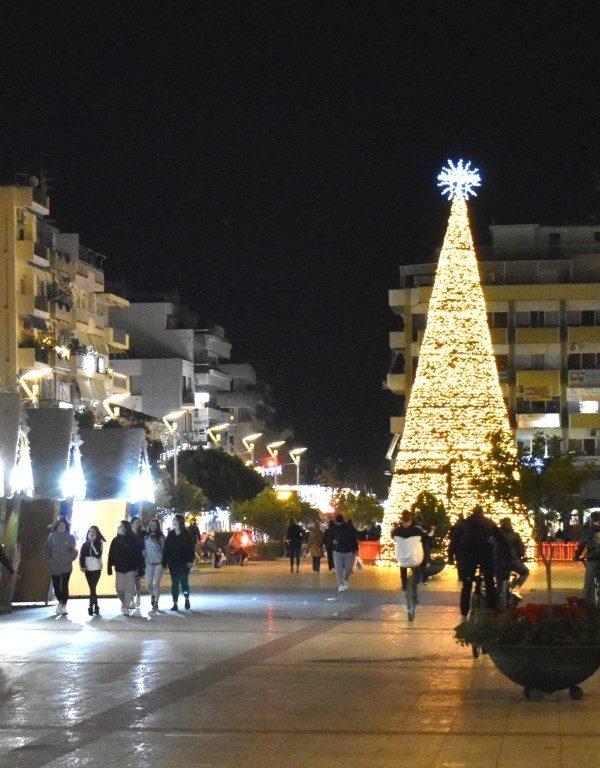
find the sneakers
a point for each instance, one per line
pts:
(126, 611)
(96, 610)
(58, 610)
(63, 609)
(187, 604)
(343, 587)
(91, 610)
(175, 607)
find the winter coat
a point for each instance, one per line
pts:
(294, 535)
(124, 554)
(344, 537)
(60, 552)
(328, 534)
(315, 542)
(412, 545)
(515, 542)
(90, 549)
(472, 539)
(179, 550)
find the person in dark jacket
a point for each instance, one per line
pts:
(90, 562)
(517, 556)
(472, 547)
(590, 542)
(345, 549)
(293, 540)
(5, 560)
(60, 551)
(178, 557)
(125, 557)
(328, 543)
(209, 547)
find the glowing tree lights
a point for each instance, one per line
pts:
(456, 401)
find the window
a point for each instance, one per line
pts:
(135, 385)
(588, 406)
(574, 317)
(538, 362)
(575, 446)
(101, 364)
(589, 446)
(502, 362)
(523, 319)
(574, 362)
(551, 319)
(588, 360)
(537, 319)
(497, 319)
(588, 317)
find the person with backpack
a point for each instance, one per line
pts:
(472, 548)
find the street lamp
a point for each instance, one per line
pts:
(249, 442)
(295, 455)
(273, 449)
(173, 416)
(213, 432)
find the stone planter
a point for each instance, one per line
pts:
(546, 669)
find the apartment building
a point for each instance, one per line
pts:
(55, 339)
(174, 364)
(542, 291)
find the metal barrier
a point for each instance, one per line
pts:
(558, 551)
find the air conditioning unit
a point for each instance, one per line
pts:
(573, 347)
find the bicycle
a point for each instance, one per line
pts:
(412, 579)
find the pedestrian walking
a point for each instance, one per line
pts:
(293, 541)
(328, 542)
(140, 535)
(178, 557)
(345, 549)
(60, 551)
(125, 557)
(90, 562)
(154, 548)
(315, 546)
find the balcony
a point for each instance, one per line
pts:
(584, 334)
(118, 339)
(538, 420)
(499, 336)
(210, 379)
(537, 336)
(397, 424)
(120, 383)
(213, 344)
(396, 382)
(584, 420)
(538, 385)
(397, 340)
(585, 377)
(250, 400)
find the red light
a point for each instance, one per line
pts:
(245, 539)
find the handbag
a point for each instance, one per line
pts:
(93, 563)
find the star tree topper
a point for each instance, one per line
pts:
(459, 180)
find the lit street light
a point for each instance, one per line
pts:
(249, 442)
(295, 455)
(214, 432)
(273, 449)
(174, 416)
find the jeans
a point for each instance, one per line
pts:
(179, 577)
(343, 562)
(153, 575)
(467, 570)
(92, 578)
(125, 585)
(60, 584)
(415, 574)
(316, 563)
(591, 568)
(294, 550)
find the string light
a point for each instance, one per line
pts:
(459, 180)
(456, 401)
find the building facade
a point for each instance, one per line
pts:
(542, 290)
(55, 339)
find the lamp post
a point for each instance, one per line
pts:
(295, 455)
(273, 449)
(214, 432)
(249, 442)
(174, 416)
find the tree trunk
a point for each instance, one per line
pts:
(547, 561)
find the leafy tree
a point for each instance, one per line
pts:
(222, 477)
(361, 508)
(185, 497)
(545, 481)
(269, 515)
(433, 512)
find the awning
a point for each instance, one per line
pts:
(36, 322)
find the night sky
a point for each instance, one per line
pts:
(276, 162)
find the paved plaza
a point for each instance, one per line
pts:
(277, 669)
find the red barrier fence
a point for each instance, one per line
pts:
(559, 551)
(369, 551)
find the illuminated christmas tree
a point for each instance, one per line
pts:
(456, 402)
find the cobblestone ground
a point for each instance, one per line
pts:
(277, 669)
